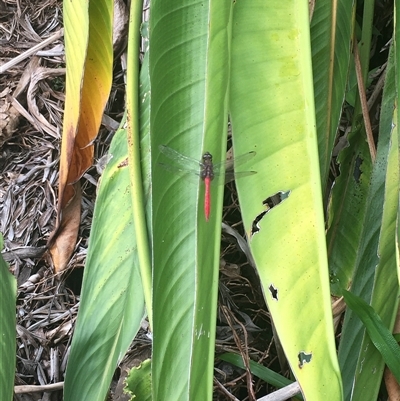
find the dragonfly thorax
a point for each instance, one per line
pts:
(207, 168)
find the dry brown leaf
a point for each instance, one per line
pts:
(63, 239)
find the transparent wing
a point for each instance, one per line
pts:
(180, 162)
(195, 174)
(231, 175)
(185, 165)
(230, 164)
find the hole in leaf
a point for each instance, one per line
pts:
(304, 357)
(276, 199)
(273, 291)
(255, 228)
(269, 203)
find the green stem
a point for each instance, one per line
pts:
(135, 171)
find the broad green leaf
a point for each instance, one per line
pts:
(112, 304)
(347, 211)
(331, 29)
(385, 290)
(378, 333)
(114, 255)
(189, 72)
(8, 298)
(374, 278)
(272, 112)
(385, 294)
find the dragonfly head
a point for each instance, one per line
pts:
(207, 157)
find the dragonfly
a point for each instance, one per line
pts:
(206, 169)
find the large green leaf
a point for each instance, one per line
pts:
(331, 29)
(112, 304)
(331, 34)
(385, 295)
(112, 299)
(189, 71)
(8, 296)
(347, 210)
(379, 335)
(374, 278)
(272, 112)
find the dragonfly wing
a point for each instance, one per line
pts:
(177, 169)
(235, 162)
(183, 162)
(231, 175)
(185, 165)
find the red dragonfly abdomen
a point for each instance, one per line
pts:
(207, 197)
